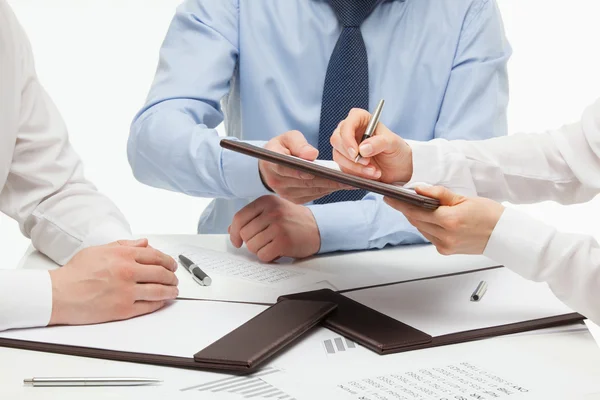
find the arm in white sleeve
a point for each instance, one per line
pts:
(44, 190)
(562, 165)
(569, 263)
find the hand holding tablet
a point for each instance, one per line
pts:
(393, 191)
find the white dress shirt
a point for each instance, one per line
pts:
(41, 183)
(561, 165)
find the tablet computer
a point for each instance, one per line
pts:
(396, 192)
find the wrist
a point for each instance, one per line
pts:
(497, 210)
(316, 236)
(56, 316)
(407, 166)
(262, 179)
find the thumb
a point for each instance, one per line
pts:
(134, 243)
(296, 143)
(445, 196)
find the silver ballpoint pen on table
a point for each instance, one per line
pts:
(108, 381)
(479, 291)
(197, 274)
(371, 126)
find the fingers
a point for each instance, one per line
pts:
(305, 195)
(427, 228)
(253, 228)
(145, 307)
(296, 190)
(235, 238)
(434, 240)
(445, 196)
(321, 183)
(383, 143)
(244, 216)
(285, 172)
(349, 166)
(155, 292)
(412, 212)
(151, 256)
(260, 240)
(290, 143)
(349, 132)
(154, 274)
(269, 252)
(132, 243)
(298, 146)
(436, 236)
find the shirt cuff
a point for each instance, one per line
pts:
(517, 241)
(25, 298)
(437, 163)
(107, 233)
(427, 163)
(335, 236)
(241, 173)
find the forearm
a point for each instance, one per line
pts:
(361, 225)
(169, 150)
(562, 165)
(569, 263)
(46, 191)
(173, 142)
(75, 217)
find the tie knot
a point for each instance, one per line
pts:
(353, 12)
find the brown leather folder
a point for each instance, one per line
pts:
(370, 328)
(254, 342)
(386, 335)
(395, 192)
(263, 336)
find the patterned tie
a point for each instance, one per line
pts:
(346, 82)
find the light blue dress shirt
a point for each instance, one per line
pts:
(259, 65)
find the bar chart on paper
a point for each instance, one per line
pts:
(246, 387)
(337, 345)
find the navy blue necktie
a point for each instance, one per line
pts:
(346, 82)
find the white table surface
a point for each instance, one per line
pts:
(398, 264)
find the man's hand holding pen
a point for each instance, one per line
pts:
(385, 156)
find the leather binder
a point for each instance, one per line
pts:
(254, 342)
(385, 335)
(396, 192)
(264, 335)
(368, 327)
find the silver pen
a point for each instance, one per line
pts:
(371, 126)
(479, 291)
(197, 274)
(122, 381)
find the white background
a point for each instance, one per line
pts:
(97, 60)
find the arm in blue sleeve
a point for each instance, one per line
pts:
(476, 97)
(173, 143)
(365, 224)
(474, 107)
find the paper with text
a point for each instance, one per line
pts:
(237, 278)
(517, 367)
